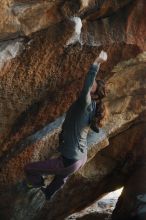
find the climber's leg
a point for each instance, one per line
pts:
(59, 180)
(34, 171)
(54, 186)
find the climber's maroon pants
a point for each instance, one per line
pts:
(34, 172)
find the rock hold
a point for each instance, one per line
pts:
(77, 31)
(10, 49)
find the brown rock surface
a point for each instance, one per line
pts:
(41, 75)
(21, 18)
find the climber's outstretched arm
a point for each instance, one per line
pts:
(91, 75)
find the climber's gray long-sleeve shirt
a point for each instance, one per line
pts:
(73, 138)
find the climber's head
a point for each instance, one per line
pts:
(98, 90)
(101, 111)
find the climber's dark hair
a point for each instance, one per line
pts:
(101, 111)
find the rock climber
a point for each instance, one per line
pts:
(88, 111)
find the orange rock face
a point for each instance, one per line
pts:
(136, 25)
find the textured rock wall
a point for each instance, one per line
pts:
(21, 18)
(42, 72)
